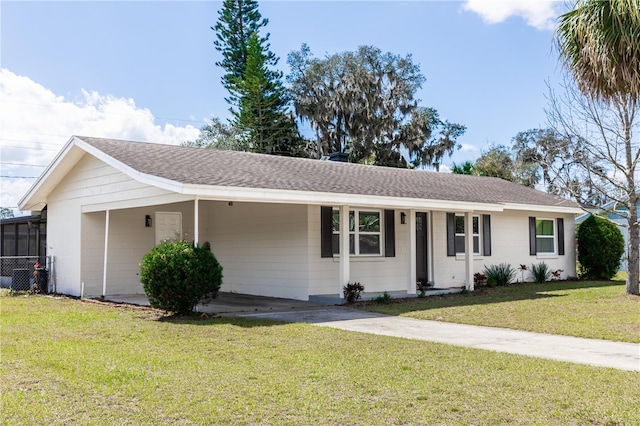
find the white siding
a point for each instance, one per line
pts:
(262, 247)
(77, 240)
(509, 244)
(63, 243)
(376, 274)
(92, 261)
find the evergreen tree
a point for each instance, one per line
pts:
(256, 93)
(237, 20)
(262, 111)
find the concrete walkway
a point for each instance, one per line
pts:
(602, 353)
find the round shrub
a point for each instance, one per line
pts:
(176, 276)
(600, 247)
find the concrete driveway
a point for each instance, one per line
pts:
(602, 353)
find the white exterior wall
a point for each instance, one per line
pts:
(376, 274)
(63, 243)
(509, 244)
(129, 241)
(265, 249)
(76, 239)
(92, 261)
(261, 247)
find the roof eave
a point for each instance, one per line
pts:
(36, 197)
(544, 208)
(262, 195)
(157, 181)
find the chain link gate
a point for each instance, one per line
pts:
(27, 273)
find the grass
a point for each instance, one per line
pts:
(69, 362)
(598, 310)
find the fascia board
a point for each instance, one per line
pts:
(27, 202)
(542, 208)
(168, 184)
(136, 203)
(228, 193)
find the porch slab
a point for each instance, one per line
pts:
(334, 299)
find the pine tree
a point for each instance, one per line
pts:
(237, 20)
(262, 111)
(256, 93)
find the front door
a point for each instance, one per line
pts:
(421, 247)
(168, 226)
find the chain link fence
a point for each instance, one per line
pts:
(27, 273)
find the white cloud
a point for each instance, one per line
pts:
(465, 147)
(35, 124)
(445, 169)
(540, 14)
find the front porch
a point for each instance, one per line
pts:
(278, 250)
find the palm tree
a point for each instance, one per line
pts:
(599, 41)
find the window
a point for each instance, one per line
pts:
(365, 234)
(545, 236)
(459, 237)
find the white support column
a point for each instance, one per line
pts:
(411, 285)
(468, 250)
(344, 248)
(430, 274)
(196, 221)
(106, 253)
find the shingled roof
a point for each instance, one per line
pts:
(198, 166)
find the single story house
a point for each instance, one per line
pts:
(287, 227)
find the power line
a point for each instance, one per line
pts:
(136, 114)
(21, 164)
(18, 177)
(30, 147)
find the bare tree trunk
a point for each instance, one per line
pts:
(633, 257)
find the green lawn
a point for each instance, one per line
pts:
(598, 310)
(69, 362)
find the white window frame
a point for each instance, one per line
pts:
(552, 237)
(474, 235)
(356, 232)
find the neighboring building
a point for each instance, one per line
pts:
(24, 235)
(23, 245)
(275, 223)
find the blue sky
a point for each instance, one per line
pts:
(146, 70)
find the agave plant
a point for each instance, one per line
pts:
(501, 274)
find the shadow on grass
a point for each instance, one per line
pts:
(484, 295)
(215, 320)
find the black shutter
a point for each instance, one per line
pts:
(560, 222)
(451, 234)
(533, 249)
(486, 235)
(389, 233)
(326, 231)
